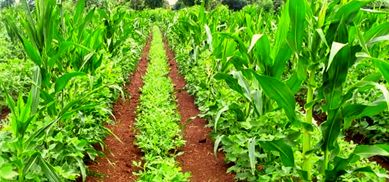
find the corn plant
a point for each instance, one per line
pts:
(26, 139)
(329, 29)
(21, 117)
(60, 45)
(312, 48)
(57, 46)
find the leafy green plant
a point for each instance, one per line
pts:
(159, 168)
(159, 135)
(311, 50)
(26, 139)
(21, 117)
(73, 89)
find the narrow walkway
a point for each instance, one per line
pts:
(198, 157)
(116, 166)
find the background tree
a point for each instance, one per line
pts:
(267, 5)
(154, 3)
(235, 4)
(178, 5)
(6, 3)
(137, 4)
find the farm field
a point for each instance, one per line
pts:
(293, 90)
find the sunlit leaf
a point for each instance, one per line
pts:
(285, 151)
(279, 92)
(253, 160)
(61, 82)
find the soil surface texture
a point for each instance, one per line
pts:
(361, 140)
(198, 157)
(4, 113)
(116, 165)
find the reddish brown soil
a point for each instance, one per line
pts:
(117, 166)
(360, 140)
(384, 162)
(4, 112)
(198, 158)
(320, 117)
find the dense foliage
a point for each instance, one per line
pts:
(159, 134)
(281, 90)
(74, 67)
(293, 90)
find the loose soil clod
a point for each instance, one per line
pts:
(117, 164)
(198, 158)
(4, 113)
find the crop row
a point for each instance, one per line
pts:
(278, 89)
(159, 132)
(77, 59)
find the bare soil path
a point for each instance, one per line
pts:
(198, 157)
(117, 166)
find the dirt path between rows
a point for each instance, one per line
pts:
(198, 157)
(116, 166)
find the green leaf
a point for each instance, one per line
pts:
(280, 60)
(62, 81)
(285, 151)
(331, 130)
(297, 9)
(361, 151)
(258, 101)
(354, 111)
(253, 160)
(35, 90)
(384, 92)
(322, 36)
(219, 113)
(281, 51)
(378, 39)
(335, 48)
(97, 63)
(79, 9)
(279, 92)
(49, 171)
(31, 162)
(366, 151)
(335, 76)
(282, 32)
(377, 31)
(7, 172)
(294, 83)
(243, 83)
(231, 81)
(217, 143)
(364, 85)
(340, 166)
(349, 10)
(38, 133)
(11, 103)
(254, 40)
(263, 51)
(209, 37)
(32, 52)
(237, 39)
(366, 169)
(81, 164)
(383, 66)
